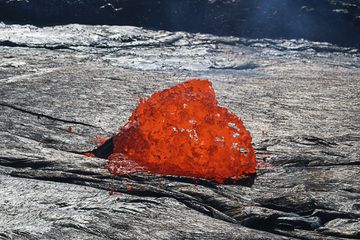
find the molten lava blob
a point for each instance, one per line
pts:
(182, 131)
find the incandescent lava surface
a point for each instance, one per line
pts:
(182, 131)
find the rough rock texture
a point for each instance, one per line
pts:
(335, 21)
(299, 99)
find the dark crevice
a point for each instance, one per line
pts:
(71, 151)
(305, 223)
(40, 115)
(284, 225)
(290, 222)
(23, 163)
(318, 141)
(4, 236)
(67, 178)
(246, 66)
(328, 215)
(350, 190)
(301, 209)
(105, 150)
(260, 223)
(336, 164)
(183, 198)
(82, 172)
(271, 225)
(8, 43)
(312, 141)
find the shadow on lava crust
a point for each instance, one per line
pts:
(105, 150)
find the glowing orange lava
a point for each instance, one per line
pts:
(182, 131)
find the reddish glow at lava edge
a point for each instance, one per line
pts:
(182, 131)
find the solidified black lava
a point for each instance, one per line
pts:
(105, 150)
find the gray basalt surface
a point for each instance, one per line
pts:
(299, 100)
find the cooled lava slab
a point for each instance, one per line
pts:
(62, 86)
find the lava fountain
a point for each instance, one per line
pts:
(182, 131)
